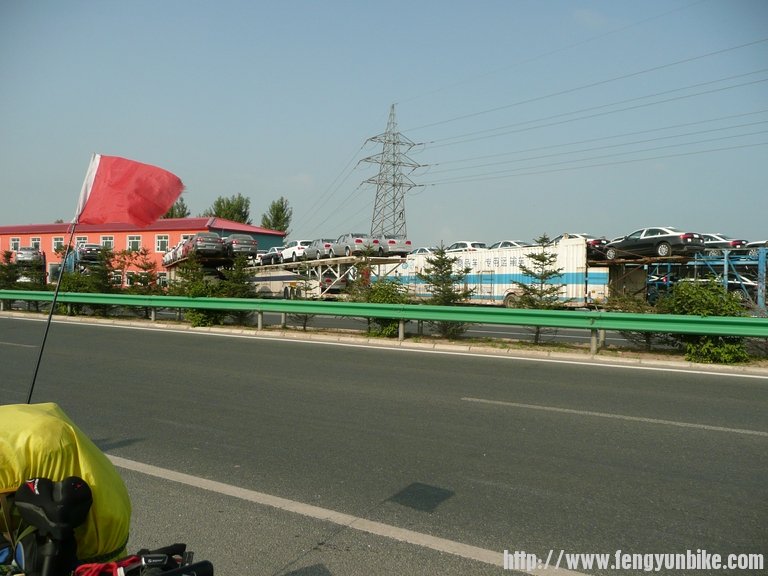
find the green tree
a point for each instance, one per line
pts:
(178, 210)
(442, 281)
(637, 305)
(194, 281)
(708, 298)
(236, 208)
(94, 277)
(9, 271)
(278, 216)
(237, 284)
(541, 291)
(302, 291)
(145, 280)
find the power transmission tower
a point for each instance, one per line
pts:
(391, 183)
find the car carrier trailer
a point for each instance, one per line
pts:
(494, 275)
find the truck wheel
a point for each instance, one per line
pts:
(510, 301)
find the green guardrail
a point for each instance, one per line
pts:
(744, 326)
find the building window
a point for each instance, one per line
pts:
(108, 242)
(134, 243)
(81, 240)
(35, 243)
(15, 243)
(117, 277)
(161, 243)
(57, 243)
(162, 279)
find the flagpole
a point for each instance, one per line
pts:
(80, 204)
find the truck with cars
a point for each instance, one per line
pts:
(494, 275)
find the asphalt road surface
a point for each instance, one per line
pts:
(316, 459)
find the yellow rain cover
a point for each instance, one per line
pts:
(39, 440)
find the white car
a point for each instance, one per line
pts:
(508, 244)
(294, 250)
(423, 250)
(465, 246)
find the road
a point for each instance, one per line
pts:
(419, 451)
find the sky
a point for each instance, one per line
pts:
(528, 117)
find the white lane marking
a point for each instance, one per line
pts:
(619, 417)
(396, 347)
(17, 345)
(495, 558)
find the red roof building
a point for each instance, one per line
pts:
(157, 238)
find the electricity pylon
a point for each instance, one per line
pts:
(391, 183)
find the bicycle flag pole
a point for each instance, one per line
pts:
(120, 191)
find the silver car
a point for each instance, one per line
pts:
(393, 245)
(318, 248)
(353, 243)
(28, 254)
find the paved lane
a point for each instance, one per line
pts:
(494, 453)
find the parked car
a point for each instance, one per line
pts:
(752, 248)
(657, 241)
(508, 244)
(716, 243)
(293, 251)
(29, 254)
(89, 252)
(257, 258)
(174, 253)
(423, 250)
(235, 244)
(595, 245)
(353, 243)
(393, 245)
(204, 244)
(466, 246)
(272, 256)
(318, 248)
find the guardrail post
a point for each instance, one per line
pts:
(153, 315)
(260, 320)
(600, 339)
(401, 330)
(593, 342)
(2, 305)
(283, 320)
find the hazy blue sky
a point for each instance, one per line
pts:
(531, 116)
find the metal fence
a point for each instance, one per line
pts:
(594, 321)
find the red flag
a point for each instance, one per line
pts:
(117, 190)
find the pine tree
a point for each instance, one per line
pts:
(236, 208)
(543, 290)
(278, 216)
(442, 279)
(178, 210)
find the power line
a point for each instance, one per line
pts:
(611, 146)
(555, 51)
(599, 139)
(515, 127)
(535, 171)
(592, 84)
